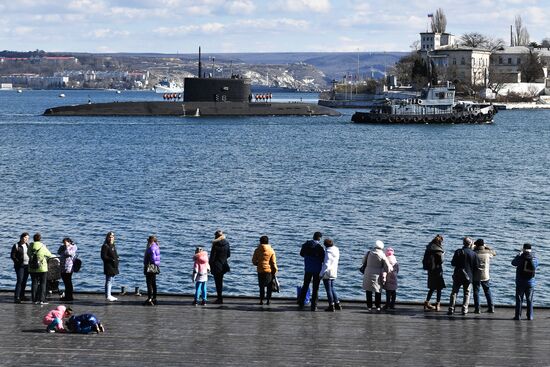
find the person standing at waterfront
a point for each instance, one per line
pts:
(377, 265)
(313, 254)
(20, 258)
(329, 272)
(482, 277)
(466, 263)
(526, 264)
(38, 269)
(433, 263)
(219, 254)
(151, 267)
(201, 267)
(110, 259)
(266, 265)
(390, 285)
(67, 254)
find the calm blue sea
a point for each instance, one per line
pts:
(285, 177)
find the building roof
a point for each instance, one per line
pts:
(521, 50)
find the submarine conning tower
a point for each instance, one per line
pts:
(216, 90)
(200, 89)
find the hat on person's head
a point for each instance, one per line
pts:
(479, 242)
(389, 251)
(467, 241)
(527, 246)
(379, 245)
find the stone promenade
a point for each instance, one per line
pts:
(243, 333)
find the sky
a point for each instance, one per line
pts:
(180, 26)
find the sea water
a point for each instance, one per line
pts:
(285, 177)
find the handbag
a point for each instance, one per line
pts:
(77, 264)
(364, 266)
(275, 286)
(152, 269)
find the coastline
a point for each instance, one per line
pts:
(525, 106)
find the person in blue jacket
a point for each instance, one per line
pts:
(84, 324)
(526, 264)
(313, 254)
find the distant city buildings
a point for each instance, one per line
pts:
(475, 66)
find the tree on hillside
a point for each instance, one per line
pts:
(520, 36)
(545, 42)
(478, 40)
(439, 21)
(531, 69)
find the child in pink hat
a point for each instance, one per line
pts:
(54, 319)
(391, 280)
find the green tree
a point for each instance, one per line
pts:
(531, 69)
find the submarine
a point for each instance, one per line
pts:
(202, 96)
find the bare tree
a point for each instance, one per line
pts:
(496, 80)
(439, 21)
(478, 40)
(521, 36)
(494, 44)
(474, 40)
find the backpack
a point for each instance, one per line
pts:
(33, 260)
(528, 268)
(428, 262)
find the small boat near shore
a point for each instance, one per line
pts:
(435, 105)
(168, 86)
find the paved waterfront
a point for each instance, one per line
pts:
(243, 333)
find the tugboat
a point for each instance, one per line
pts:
(435, 105)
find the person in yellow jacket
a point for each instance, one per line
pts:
(266, 264)
(38, 269)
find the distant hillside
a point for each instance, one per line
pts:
(333, 64)
(308, 71)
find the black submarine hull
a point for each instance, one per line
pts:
(162, 108)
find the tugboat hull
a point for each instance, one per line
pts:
(470, 117)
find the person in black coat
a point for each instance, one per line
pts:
(219, 254)
(313, 254)
(466, 263)
(21, 265)
(110, 264)
(433, 263)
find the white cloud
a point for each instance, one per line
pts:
(88, 6)
(23, 31)
(281, 24)
(108, 33)
(319, 6)
(206, 28)
(241, 7)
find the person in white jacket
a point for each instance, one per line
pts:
(329, 272)
(377, 265)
